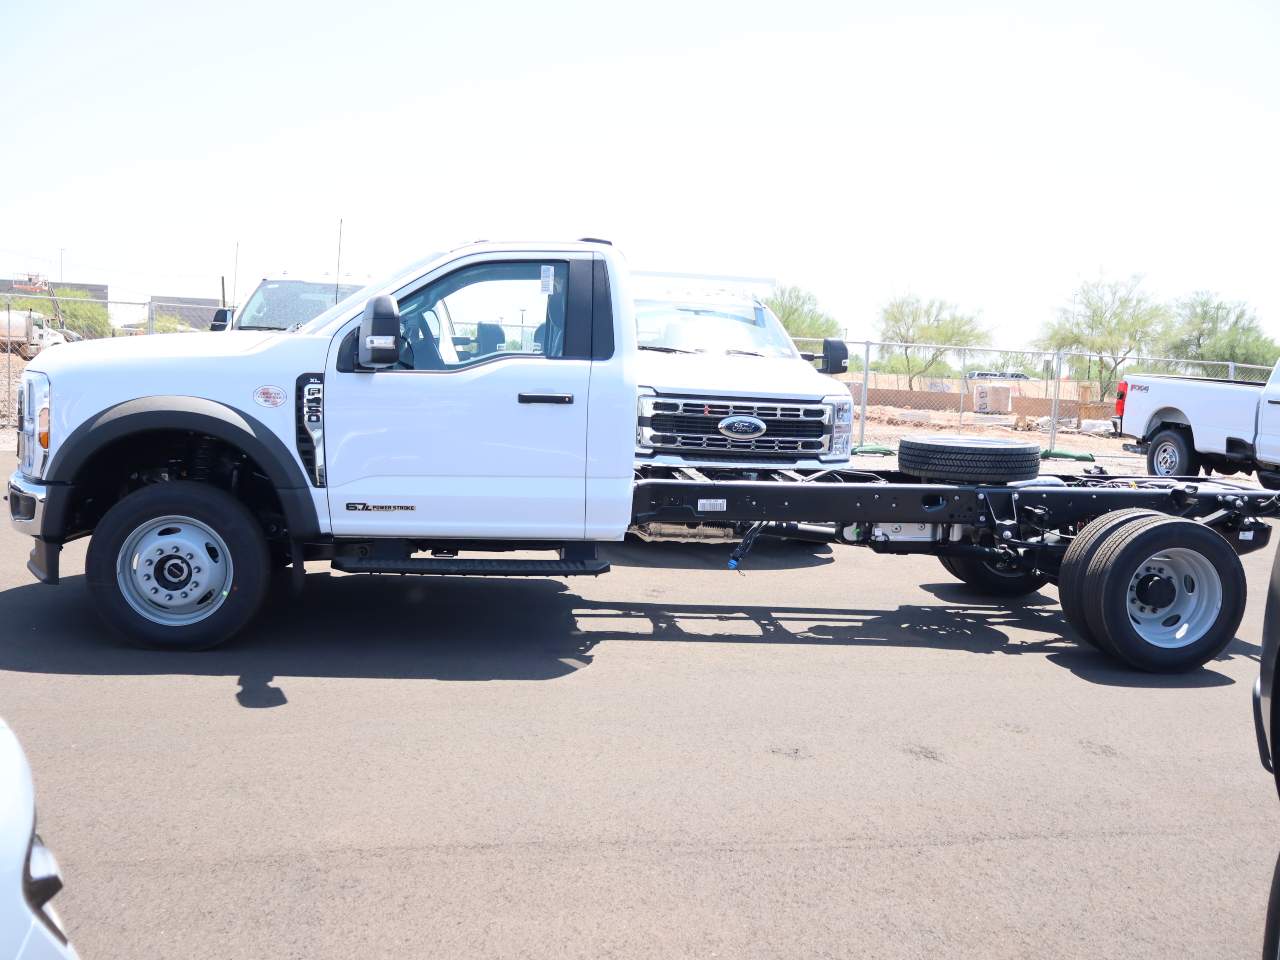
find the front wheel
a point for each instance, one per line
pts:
(993, 579)
(178, 566)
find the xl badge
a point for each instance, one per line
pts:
(741, 427)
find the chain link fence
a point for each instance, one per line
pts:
(1062, 400)
(33, 322)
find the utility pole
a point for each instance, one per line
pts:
(61, 251)
(337, 272)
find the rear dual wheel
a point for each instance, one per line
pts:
(1076, 560)
(1162, 594)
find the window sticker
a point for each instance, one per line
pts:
(548, 277)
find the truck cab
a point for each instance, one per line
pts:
(438, 432)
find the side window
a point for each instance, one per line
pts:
(483, 311)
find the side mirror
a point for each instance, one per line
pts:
(379, 334)
(835, 356)
(221, 319)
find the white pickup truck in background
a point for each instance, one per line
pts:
(709, 348)
(278, 304)
(1186, 424)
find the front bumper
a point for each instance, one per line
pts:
(28, 508)
(26, 504)
(664, 459)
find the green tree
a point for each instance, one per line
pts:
(1204, 327)
(1110, 320)
(170, 323)
(799, 313)
(923, 333)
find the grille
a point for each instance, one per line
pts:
(765, 411)
(676, 423)
(792, 430)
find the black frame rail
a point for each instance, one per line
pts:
(680, 495)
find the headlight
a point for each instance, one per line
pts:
(34, 398)
(840, 410)
(644, 410)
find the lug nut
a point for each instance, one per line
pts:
(190, 556)
(150, 562)
(197, 569)
(146, 576)
(155, 590)
(184, 594)
(168, 596)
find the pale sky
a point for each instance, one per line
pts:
(993, 158)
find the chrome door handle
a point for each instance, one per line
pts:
(545, 398)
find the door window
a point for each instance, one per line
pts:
(483, 312)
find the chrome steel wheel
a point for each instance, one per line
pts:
(1174, 598)
(174, 570)
(1166, 459)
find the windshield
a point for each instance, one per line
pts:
(749, 329)
(279, 304)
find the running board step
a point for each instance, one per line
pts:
(453, 567)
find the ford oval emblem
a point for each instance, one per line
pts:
(742, 428)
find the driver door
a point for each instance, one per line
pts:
(481, 429)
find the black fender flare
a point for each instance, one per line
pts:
(196, 415)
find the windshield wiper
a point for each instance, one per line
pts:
(745, 353)
(661, 349)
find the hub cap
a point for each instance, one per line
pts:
(174, 571)
(1166, 459)
(1174, 598)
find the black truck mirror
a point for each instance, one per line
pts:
(380, 333)
(221, 319)
(835, 356)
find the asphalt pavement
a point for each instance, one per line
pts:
(835, 755)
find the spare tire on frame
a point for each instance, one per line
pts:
(969, 459)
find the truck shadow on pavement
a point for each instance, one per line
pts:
(461, 630)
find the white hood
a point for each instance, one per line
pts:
(731, 375)
(140, 349)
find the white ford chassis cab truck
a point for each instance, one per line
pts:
(369, 439)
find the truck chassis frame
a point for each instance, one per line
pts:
(1039, 515)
